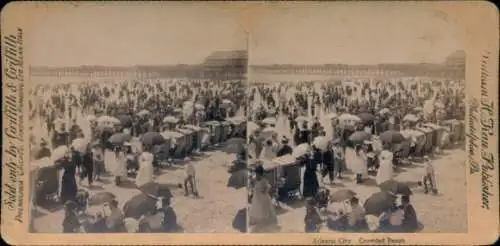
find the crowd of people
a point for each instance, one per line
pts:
(343, 127)
(91, 129)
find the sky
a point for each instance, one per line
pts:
(357, 33)
(139, 34)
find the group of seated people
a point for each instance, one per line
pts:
(350, 217)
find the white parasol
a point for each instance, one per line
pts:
(301, 150)
(59, 153)
(170, 119)
(321, 143)
(269, 121)
(80, 145)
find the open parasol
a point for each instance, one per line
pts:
(269, 121)
(359, 137)
(391, 137)
(120, 138)
(301, 150)
(170, 119)
(321, 142)
(59, 153)
(379, 203)
(396, 187)
(152, 138)
(411, 118)
(80, 145)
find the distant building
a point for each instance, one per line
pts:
(219, 65)
(226, 65)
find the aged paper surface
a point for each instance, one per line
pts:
(132, 117)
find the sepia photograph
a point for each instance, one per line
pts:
(136, 121)
(356, 121)
(262, 123)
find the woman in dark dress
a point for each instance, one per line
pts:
(70, 223)
(311, 184)
(68, 182)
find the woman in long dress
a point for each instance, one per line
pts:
(311, 184)
(120, 167)
(69, 187)
(146, 169)
(384, 172)
(359, 163)
(262, 212)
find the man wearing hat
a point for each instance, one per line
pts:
(44, 151)
(285, 148)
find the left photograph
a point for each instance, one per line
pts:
(137, 120)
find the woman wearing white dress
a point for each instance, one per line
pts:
(120, 167)
(384, 172)
(262, 213)
(359, 163)
(146, 169)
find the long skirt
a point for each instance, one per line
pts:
(68, 189)
(311, 184)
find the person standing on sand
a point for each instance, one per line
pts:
(384, 172)
(429, 179)
(262, 212)
(190, 180)
(146, 169)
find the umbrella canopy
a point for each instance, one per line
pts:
(301, 150)
(101, 198)
(227, 101)
(321, 142)
(126, 120)
(156, 190)
(199, 106)
(234, 145)
(267, 133)
(269, 121)
(384, 111)
(170, 119)
(366, 117)
(342, 195)
(238, 179)
(392, 137)
(418, 109)
(108, 119)
(359, 137)
(143, 113)
(152, 138)
(379, 203)
(395, 187)
(120, 138)
(59, 153)
(139, 205)
(252, 127)
(80, 145)
(411, 118)
(348, 118)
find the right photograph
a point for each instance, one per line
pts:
(356, 120)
